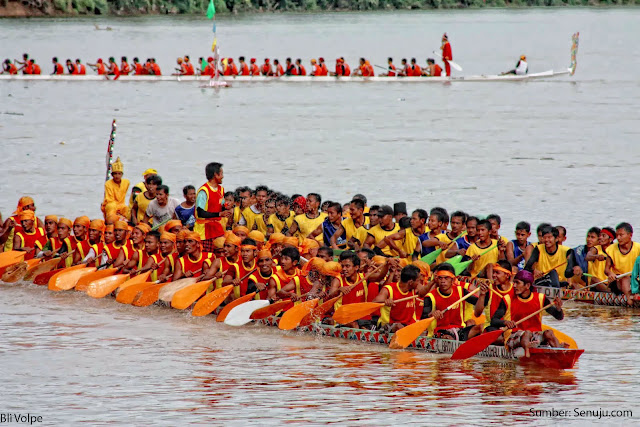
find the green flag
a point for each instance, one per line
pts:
(211, 10)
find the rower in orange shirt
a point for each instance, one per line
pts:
(433, 69)
(323, 67)
(57, 67)
(71, 67)
(446, 53)
(279, 71)
(347, 70)
(266, 68)
(35, 67)
(255, 70)
(209, 70)
(188, 66)
(82, 70)
(124, 66)
(417, 71)
(234, 69)
(244, 68)
(98, 67)
(291, 70)
(181, 70)
(369, 69)
(112, 68)
(155, 67)
(391, 68)
(226, 69)
(138, 67)
(339, 68)
(317, 70)
(301, 70)
(27, 68)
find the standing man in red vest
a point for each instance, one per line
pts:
(446, 53)
(210, 208)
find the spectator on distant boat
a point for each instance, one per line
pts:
(521, 67)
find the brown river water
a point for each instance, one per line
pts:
(563, 151)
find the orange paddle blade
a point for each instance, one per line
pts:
(187, 296)
(127, 296)
(562, 337)
(475, 345)
(68, 279)
(140, 278)
(292, 317)
(62, 271)
(211, 301)
(227, 308)
(405, 336)
(351, 312)
(148, 296)
(43, 267)
(11, 257)
(270, 310)
(84, 281)
(318, 312)
(167, 292)
(15, 272)
(103, 287)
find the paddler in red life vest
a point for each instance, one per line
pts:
(433, 69)
(8, 67)
(529, 333)
(278, 70)
(226, 258)
(31, 239)
(237, 271)
(138, 68)
(98, 67)
(209, 70)
(340, 286)
(112, 67)
(27, 68)
(210, 207)
(130, 246)
(417, 71)
(125, 68)
(301, 70)
(290, 69)
(258, 282)
(232, 66)
(64, 243)
(194, 262)
(166, 252)
(491, 296)
(181, 69)
(244, 68)
(35, 68)
(449, 324)
(121, 235)
(96, 245)
(446, 53)
(71, 68)
(254, 70)
(57, 67)
(396, 315)
(265, 69)
(189, 71)
(51, 230)
(82, 70)
(80, 232)
(12, 224)
(155, 68)
(141, 256)
(391, 68)
(324, 71)
(339, 68)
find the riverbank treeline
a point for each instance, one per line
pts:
(141, 7)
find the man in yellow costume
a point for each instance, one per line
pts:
(115, 192)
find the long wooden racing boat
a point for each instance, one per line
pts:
(557, 358)
(590, 297)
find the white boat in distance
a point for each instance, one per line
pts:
(309, 79)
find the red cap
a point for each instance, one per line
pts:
(253, 60)
(230, 59)
(321, 59)
(99, 60)
(266, 60)
(209, 59)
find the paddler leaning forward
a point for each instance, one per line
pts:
(210, 207)
(529, 333)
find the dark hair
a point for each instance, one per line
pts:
(549, 229)
(361, 197)
(390, 59)
(594, 230)
(625, 226)
(422, 214)
(153, 179)
(484, 223)
(369, 252)
(541, 226)
(164, 188)
(316, 195)
(55, 58)
(337, 206)
(523, 225)
(186, 189)
(350, 255)
(290, 252)
(374, 208)
(326, 249)
(408, 273)
(472, 218)
(494, 217)
(405, 222)
(445, 266)
(212, 169)
(504, 264)
(358, 202)
(385, 210)
(560, 227)
(441, 216)
(261, 188)
(231, 194)
(154, 233)
(248, 241)
(283, 200)
(241, 58)
(460, 214)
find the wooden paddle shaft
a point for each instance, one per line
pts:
(352, 287)
(405, 299)
(144, 270)
(462, 299)
(553, 268)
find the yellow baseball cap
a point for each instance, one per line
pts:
(149, 172)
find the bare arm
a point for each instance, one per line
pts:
(335, 236)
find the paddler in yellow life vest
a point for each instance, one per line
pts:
(385, 228)
(410, 246)
(141, 203)
(549, 255)
(252, 216)
(352, 228)
(210, 206)
(115, 192)
(306, 225)
(597, 258)
(482, 265)
(282, 219)
(622, 256)
(140, 187)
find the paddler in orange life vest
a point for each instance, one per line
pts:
(529, 333)
(209, 70)
(433, 69)
(82, 70)
(301, 70)
(265, 69)
(391, 68)
(155, 68)
(181, 69)
(35, 68)
(239, 270)
(31, 239)
(138, 67)
(254, 69)
(112, 67)
(125, 69)
(188, 66)
(210, 207)
(57, 67)
(71, 68)
(446, 54)
(417, 71)
(316, 69)
(279, 71)
(244, 68)
(194, 262)
(449, 324)
(290, 69)
(98, 67)
(324, 71)
(339, 69)
(27, 68)
(9, 68)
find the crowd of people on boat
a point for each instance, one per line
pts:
(285, 247)
(228, 67)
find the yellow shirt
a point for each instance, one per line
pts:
(380, 233)
(260, 225)
(116, 192)
(143, 202)
(307, 225)
(443, 238)
(140, 186)
(350, 230)
(547, 261)
(409, 243)
(596, 268)
(489, 258)
(279, 225)
(623, 263)
(250, 217)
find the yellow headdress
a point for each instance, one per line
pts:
(117, 166)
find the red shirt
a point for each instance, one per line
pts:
(279, 70)
(244, 69)
(36, 239)
(139, 69)
(189, 69)
(446, 52)
(124, 68)
(266, 70)
(257, 277)
(101, 69)
(323, 70)
(156, 69)
(58, 68)
(452, 318)
(402, 312)
(28, 69)
(195, 266)
(36, 69)
(301, 70)
(255, 70)
(347, 70)
(240, 271)
(234, 69)
(521, 308)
